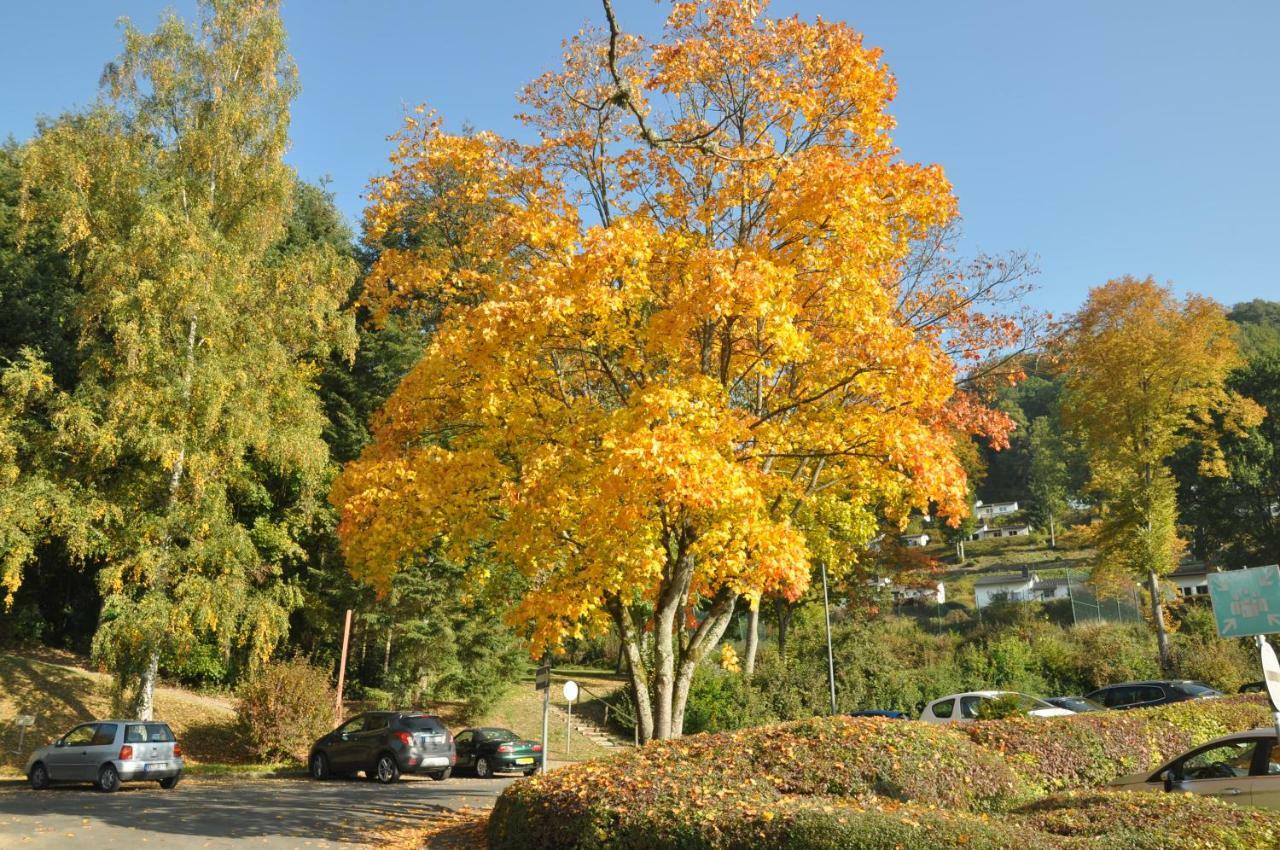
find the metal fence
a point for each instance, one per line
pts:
(1088, 607)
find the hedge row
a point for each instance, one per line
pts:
(1100, 821)
(1084, 751)
(871, 783)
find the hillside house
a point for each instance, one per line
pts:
(987, 532)
(1024, 586)
(993, 510)
(1192, 579)
(913, 541)
(929, 594)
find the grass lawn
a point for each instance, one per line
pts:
(521, 711)
(60, 695)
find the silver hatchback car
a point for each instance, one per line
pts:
(107, 753)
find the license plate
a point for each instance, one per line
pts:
(153, 765)
(524, 761)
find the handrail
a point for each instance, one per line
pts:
(617, 709)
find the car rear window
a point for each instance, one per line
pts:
(148, 733)
(499, 735)
(421, 723)
(943, 708)
(1195, 689)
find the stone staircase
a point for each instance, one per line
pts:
(589, 728)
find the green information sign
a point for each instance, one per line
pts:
(1246, 602)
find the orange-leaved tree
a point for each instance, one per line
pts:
(664, 332)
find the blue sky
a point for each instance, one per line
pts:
(1106, 137)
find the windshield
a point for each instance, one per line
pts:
(1196, 689)
(1027, 703)
(1078, 704)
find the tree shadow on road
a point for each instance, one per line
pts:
(350, 811)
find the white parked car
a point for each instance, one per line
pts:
(1243, 768)
(963, 708)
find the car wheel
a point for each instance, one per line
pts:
(39, 776)
(442, 775)
(386, 771)
(319, 766)
(483, 770)
(170, 782)
(108, 778)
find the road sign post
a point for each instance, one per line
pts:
(1270, 676)
(23, 722)
(542, 682)
(570, 694)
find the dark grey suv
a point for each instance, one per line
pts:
(1151, 693)
(385, 744)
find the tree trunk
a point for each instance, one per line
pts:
(753, 640)
(386, 658)
(707, 635)
(146, 701)
(1157, 615)
(1053, 537)
(629, 636)
(783, 610)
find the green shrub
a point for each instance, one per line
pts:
(1000, 708)
(752, 770)
(675, 796)
(1150, 821)
(284, 708)
(1224, 664)
(1109, 652)
(718, 700)
(1087, 750)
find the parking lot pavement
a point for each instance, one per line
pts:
(229, 813)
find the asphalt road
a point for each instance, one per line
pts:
(227, 813)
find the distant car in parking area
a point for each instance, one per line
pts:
(1243, 768)
(963, 708)
(1150, 693)
(385, 744)
(108, 753)
(1253, 688)
(489, 750)
(1077, 705)
(880, 712)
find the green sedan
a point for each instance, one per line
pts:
(489, 750)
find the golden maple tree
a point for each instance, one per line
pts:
(664, 333)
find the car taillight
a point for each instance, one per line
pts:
(126, 753)
(177, 749)
(405, 738)
(537, 748)
(505, 748)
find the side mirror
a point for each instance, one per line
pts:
(1171, 780)
(59, 742)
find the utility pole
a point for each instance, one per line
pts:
(542, 681)
(342, 667)
(826, 610)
